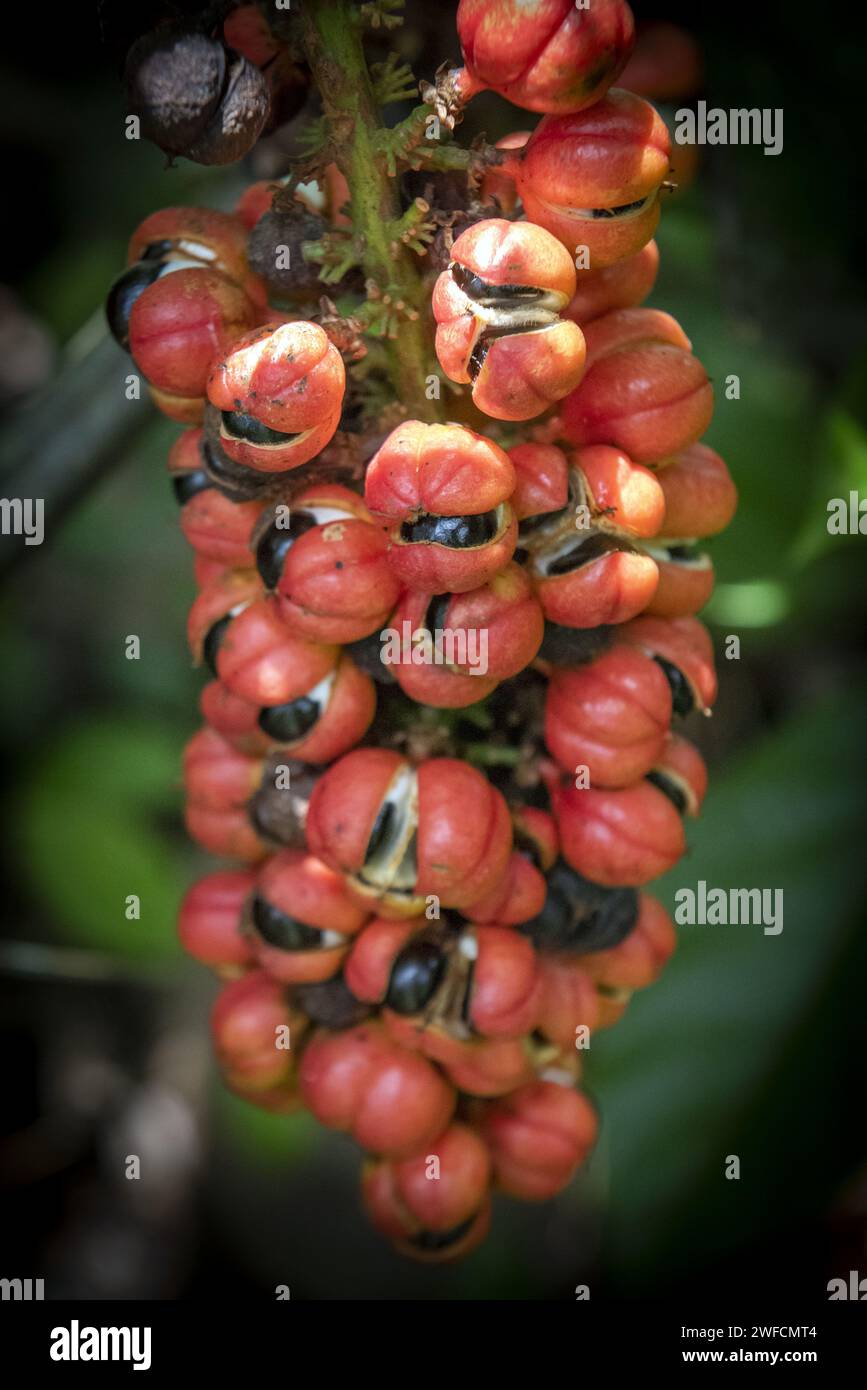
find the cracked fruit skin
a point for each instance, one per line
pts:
(280, 390)
(544, 55)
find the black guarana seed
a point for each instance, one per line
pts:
(441, 1240)
(123, 295)
(534, 523)
(485, 293)
(213, 640)
(573, 646)
(586, 551)
(239, 425)
(415, 975)
(455, 532)
(682, 697)
(437, 612)
(291, 721)
(381, 827)
(579, 916)
(187, 485)
(669, 788)
(331, 1004)
(477, 358)
(235, 480)
(367, 655)
(275, 544)
(680, 552)
(281, 931)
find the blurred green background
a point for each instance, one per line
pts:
(750, 1044)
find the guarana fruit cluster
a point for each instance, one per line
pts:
(439, 872)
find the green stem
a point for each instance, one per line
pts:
(334, 50)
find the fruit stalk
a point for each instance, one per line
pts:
(333, 48)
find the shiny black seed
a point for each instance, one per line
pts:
(572, 646)
(437, 612)
(234, 480)
(187, 485)
(534, 523)
(381, 828)
(239, 425)
(367, 655)
(680, 552)
(669, 788)
(281, 931)
(477, 357)
(484, 293)
(441, 1240)
(275, 544)
(331, 1004)
(579, 916)
(682, 697)
(456, 532)
(157, 251)
(586, 551)
(415, 976)
(123, 295)
(289, 722)
(212, 642)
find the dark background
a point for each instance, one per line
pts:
(749, 1045)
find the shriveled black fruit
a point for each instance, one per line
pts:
(195, 97)
(331, 1004)
(278, 237)
(579, 916)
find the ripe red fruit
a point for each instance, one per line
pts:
(542, 479)
(631, 835)
(610, 716)
(593, 178)
(303, 918)
(443, 490)
(217, 528)
(180, 323)
(700, 496)
(643, 391)
(544, 55)
(635, 963)
(461, 645)
(569, 999)
(520, 893)
(280, 391)
(404, 833)
(538, 1137)
(262, 661)
(434, 1205)
(497, 308)
(209, 921)
(198, 236)
(329, 567)
(682, 647)
(249, 1022)
(618, 286)
(391, 1101)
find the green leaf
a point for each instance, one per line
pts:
(95, 823)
